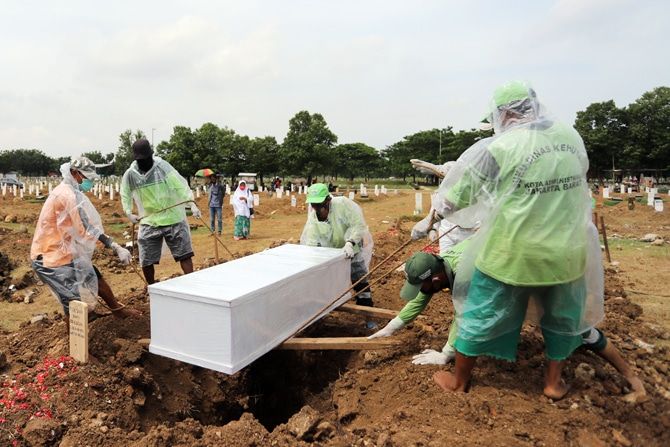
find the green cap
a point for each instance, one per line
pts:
(417, 269)
(511, 92)
(317, 193)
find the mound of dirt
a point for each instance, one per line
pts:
(6, 267)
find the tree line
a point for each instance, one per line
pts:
(636, 136)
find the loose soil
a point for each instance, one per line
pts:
(127, 396)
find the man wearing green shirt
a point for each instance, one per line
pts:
(427, 274)
(158, 191)
(530, 179)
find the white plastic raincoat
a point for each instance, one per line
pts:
(66, 234)
(527, 186)
(345, 223)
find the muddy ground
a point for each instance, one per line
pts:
(127, 396)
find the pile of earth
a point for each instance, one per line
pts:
(127, 396)
(6, 267)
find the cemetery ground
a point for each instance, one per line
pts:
(127, 396)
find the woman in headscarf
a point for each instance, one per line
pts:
(243, 205)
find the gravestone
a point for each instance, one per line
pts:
(79, 331)
(294, 201)
(351, 195)
(418, 203)
(257, 199)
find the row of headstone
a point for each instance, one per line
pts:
(651, 196)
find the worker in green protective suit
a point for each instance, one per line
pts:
(159, 193)
(528, 188)
(338, 222)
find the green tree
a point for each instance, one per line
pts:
(356, 159)
(604, 128)
(307, 148)
(263, 154)
(124, 154)
(650, 128)
(179, 150)
(98, 158)
(29, 162)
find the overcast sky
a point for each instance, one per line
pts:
(75, 74)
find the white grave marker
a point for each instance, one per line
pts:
(418, 203)
(351, 195)
(658, 205)
(257, 199)
(79, 331)
(606, 192)
(650, 198)
(280, 192)
(294, 201)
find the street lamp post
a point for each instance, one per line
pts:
(440, 153)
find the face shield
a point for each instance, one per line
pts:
(513, 103)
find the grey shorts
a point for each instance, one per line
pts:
(177, 237)
(62, 281)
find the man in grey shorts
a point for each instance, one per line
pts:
(160, 194)
(177, 238)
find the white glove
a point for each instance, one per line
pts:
(124, 255)
(433, 357)
(134, 218)
(422, 227)
(388, 330)
(196, 211)
(348, 250)
(441, 206)
(427, 168)
(432, 235)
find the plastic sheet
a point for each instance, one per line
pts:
(65, 237)
(527, 186)
(159, 188)
(226, 316)
(345, 222)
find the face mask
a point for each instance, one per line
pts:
(145, 164)
(243, 187)
(86, 185)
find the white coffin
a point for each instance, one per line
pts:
(226, 316)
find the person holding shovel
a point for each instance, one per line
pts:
(65, 237)
(160, 195)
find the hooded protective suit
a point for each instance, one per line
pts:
(65, 237)
(527, 186)
(345, 223)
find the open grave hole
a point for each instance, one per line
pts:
(272, 389)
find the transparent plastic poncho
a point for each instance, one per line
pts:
(345, 222)
(527, 187)
(67, 231)
(156, 193)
